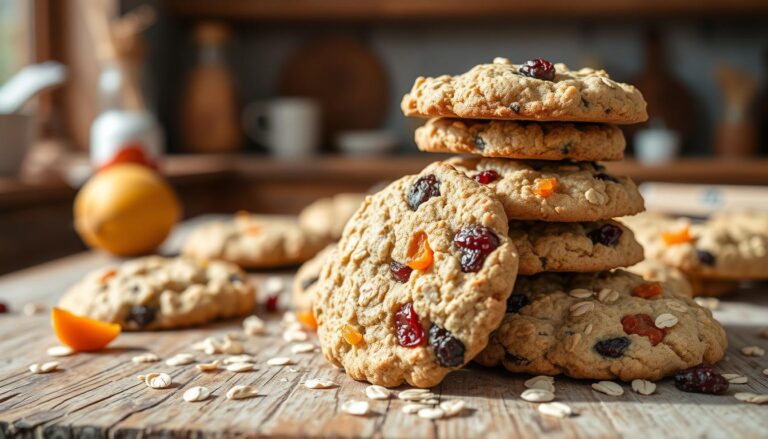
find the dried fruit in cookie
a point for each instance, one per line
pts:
(701, 379)
(642, 324)
(544, 187)
(400, 272)
(516, 302)
(81, 333)
(647, 290)
(538, 68)
(351, 335)
(605, 177)
(407, 327)
(448, 349)
(613, 347)
(422, 190)
(677, 237)
(487, 176)
(271, 303)
(607, 234)
(420, 254)
(141, 315)
(307, 318)
(705, 257)
(476, 243)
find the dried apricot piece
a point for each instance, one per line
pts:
(307, 318)
(642, 324)
(351, 335)
(420, 254)
(647, 290)
(677, 236)
(81, 333)
(544, 187)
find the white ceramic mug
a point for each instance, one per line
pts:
(288, 127)
(17, 132)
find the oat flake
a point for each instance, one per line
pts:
(319, 383)
(242, 392)
(49, 366)
(60, 351)
(180, 360)
(537, 395)
(302, 348)
(665, 321)
(357, 408)
(280, 361)
(431, 413)
(753, 351)
(240, 367)
(377, 392)
(208, 367)
(452, 407)
(608, 387)
(158, 380)
(581, 308)
(145, 358)
(643, 387)
(735, 378)
(413, 407)
(556, 409)
(197, 393)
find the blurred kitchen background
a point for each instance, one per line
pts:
(267, 105)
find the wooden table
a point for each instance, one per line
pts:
(98, 395)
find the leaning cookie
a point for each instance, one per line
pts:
(537, 90)
(418, 282)
(554, 191)
(573, 247)
(305, 281)
(658, 271)
(611, 325)
(522, 140)
(327, 216)
(254, 241)
(162, 293)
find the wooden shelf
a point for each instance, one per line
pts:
(370, 10)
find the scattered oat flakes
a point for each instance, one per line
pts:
(607, 295)
(413, 407)
(415, 394)
(319, 383)
(49, 366)
(295, 335)
(241, 391)
(543, 382)
(239, 359)
(253, 325)
(280, 361)
(665, 320)
(711, 303)
(431, 401)
(581, 308)
(753, 351)
(234, 336)
(60, 351)
(580, 293)
(608, 387)
(377, 392)
(452, 407)
(180, 360)
(31, 309)
(588, 329)
(594, 197)
(643, 387)
(273, 285)
(357, 408)
(208, 367)
(157, 380)
(556, 409)
(145, 358)
(431, 413)
(240, 367)
(302, 348)
(537, 395)
(197, 393)
(735, 378)
(753, 398)
(232, 347)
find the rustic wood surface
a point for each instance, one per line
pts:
(98, 395)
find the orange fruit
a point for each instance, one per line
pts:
(81, 333)
(351, 335)
(420, 254)
(307, 319)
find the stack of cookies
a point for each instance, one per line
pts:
(508, 257)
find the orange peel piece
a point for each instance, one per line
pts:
(307, 318)
(677, 237)
(351, 335)
(81, 333)
(545, 186)
(420, 254)
(647, 290)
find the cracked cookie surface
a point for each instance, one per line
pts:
(522, 140)
(162, 293)
(589, 326)
(580, 191)
(499, 91)
(419, 280)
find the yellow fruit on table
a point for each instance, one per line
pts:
(127, 210)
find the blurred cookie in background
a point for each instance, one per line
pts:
(305, 281)
(657, 271)
(328, 216)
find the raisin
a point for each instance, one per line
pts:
(487, 176)
(235, 278)
(479, 142)
(538, 68)
(448, 349)
(613, 347)
(476, 243)
(407, 327)
(422, 190)
(607, 234)
(584, 103)
(516, 359)
(605, 177)
(141, 315)
(565, 149)
(701, 379)
(515, 106)
(306, 283)
(516, 302)
(400, 272)
(271, 303)
(642, 324)
(3, 308)
(706, 257)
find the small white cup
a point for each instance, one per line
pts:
(656, 146)
(288, 127)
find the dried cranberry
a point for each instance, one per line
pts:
(306, 283)
(516, 302)
(539, 69)
(607, 234)
(141, 315)
(701, 379)
(271, 303)
(400, 272)
(705, 257)
(407, 327)
(642, 324)
(448, 349)
(605, 177)
(476, 243)
(422, 190)
(487, 176)
(613, 347)
(3, 308)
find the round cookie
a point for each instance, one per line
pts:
(589, 326)
(522, 140)
(500, 91)
(254, 241)
(574, 247)
(658, 271)
(305, 281)
(582, 190)
(727, 247)
(154, 292)
(418, 282)
(327, 216)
